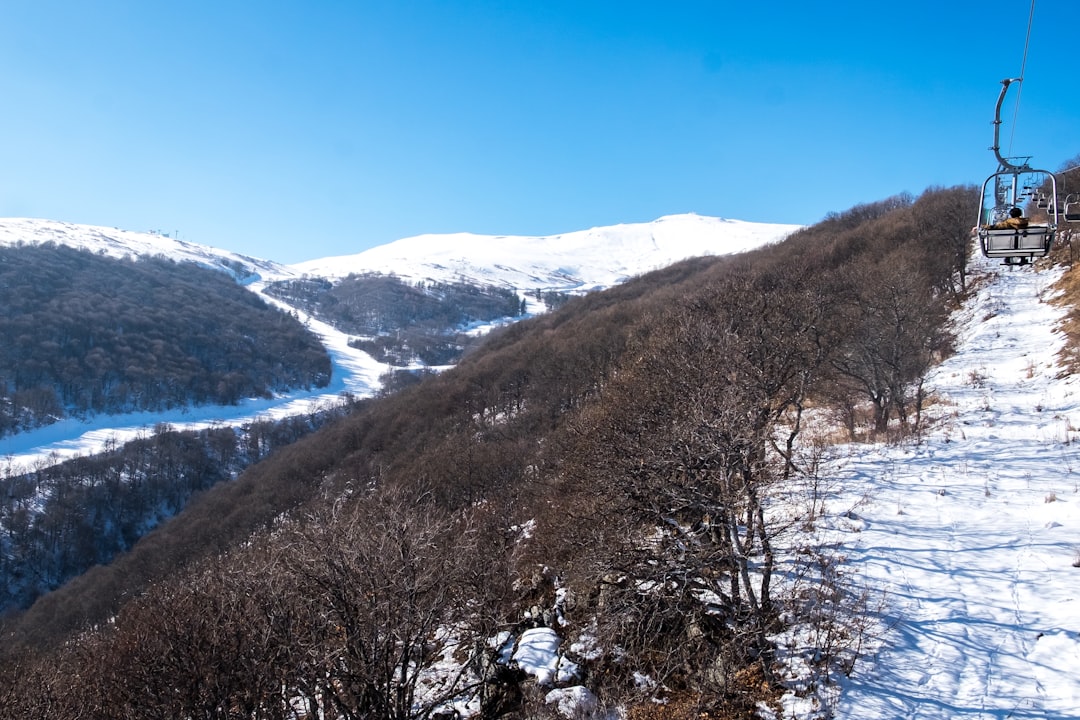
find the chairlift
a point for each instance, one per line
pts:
(1006, 189)
(1016, 245)
(1072, 207)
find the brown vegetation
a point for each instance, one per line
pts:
(604, 468)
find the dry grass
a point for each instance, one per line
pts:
(750, 688)
(1067, 295)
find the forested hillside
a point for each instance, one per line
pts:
(603, 479)
(85, 333)
(58, 521)
(398, 322)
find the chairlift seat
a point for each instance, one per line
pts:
(1030, 242)
(1072, 215)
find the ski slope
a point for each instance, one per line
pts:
(354, 372)
(967, 541)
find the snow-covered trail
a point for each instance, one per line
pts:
(970, 537)
(354, 372)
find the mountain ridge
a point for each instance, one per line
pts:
(355, 371)
(118, 243)
(602, 256)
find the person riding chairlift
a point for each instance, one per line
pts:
(1015, 221)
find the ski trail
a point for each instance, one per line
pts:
(353, 372)
(970, 536)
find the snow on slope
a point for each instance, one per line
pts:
(354, 373)
(970, 537)
(571, 262)
(117, 243)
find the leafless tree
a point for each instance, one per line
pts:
(668, 474)
(890, 329)
(379, 583)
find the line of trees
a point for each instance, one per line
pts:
(58, 521)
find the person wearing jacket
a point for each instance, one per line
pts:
(1015, 221)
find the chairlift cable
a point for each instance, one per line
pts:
(1023, 68)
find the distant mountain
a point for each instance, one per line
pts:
(476, 274)
(103, 330)
(577, 261)
(570, 262)
(116, 243)
(416, 300)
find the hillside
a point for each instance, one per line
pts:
(121, 244)
(87, 334)
(420, 300)
(601, 507)
(112, 330)
(354, 371)
(405, 323)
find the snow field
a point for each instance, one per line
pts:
(969, 537)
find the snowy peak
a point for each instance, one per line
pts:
(569, 262)
(574, 261)
(118, 243)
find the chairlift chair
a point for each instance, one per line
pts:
(1072, 207)
(1016, 246)
(1006, 189)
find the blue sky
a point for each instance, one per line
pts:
(294, 130)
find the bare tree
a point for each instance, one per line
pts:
(668, 474)
(942, 218)
(379, 583)
(890, 329)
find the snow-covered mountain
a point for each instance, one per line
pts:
(117, 243)
(570, 262)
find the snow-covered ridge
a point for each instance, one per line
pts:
(571, 262)
(117, 243)
(577, 261)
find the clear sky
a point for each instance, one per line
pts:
(298, 129)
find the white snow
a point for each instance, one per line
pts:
(572, 702)
(537, 653)
(117, 243)
(570, 262)
(969, 538)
